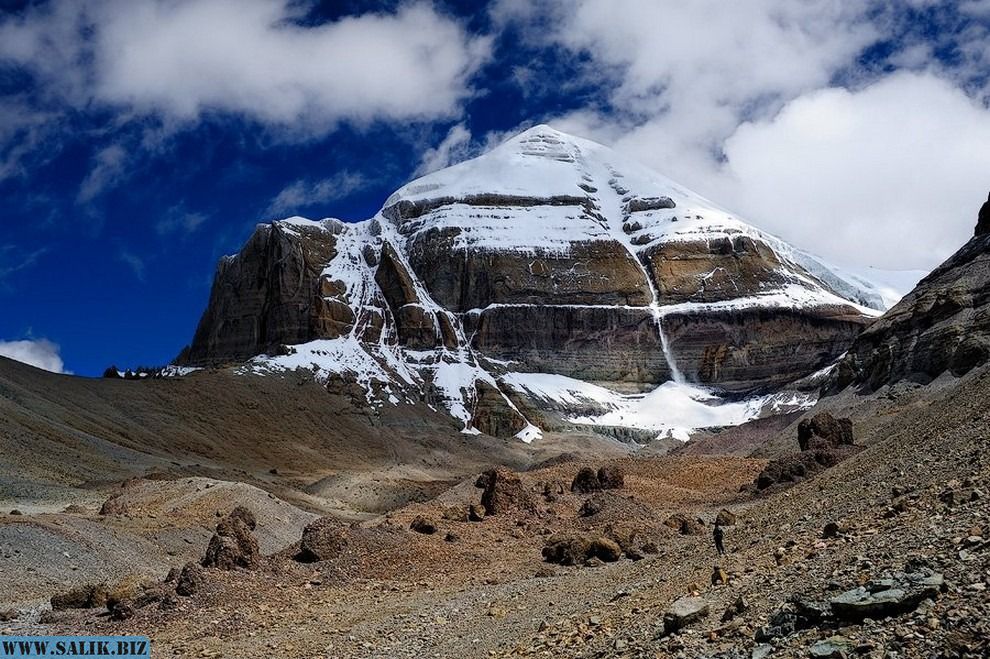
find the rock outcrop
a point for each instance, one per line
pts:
(942, 326)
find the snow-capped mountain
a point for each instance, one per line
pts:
(549, 281)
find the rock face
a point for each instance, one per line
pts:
(550, 254)
(943, 325)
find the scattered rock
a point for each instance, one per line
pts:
(6, 615)
(719, 577)
(476, 512)
(16, 512)
(452, 537)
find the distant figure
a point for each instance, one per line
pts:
(983, 224)
(718, 534)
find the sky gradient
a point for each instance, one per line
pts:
(141, 140)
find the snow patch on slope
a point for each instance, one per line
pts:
(672, 410)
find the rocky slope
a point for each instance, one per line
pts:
(943, 325)
(549, 255)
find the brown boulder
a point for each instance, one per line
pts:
(476, 512)
(725, 518)
(503, 491)
(233, 545)
(190, 579)
(823, 431)
(423, 525)
(586, 481)
(89, 596)
(611, 477)
(575, 549)
(685, 525)
(322, 540)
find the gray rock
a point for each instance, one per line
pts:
(684, 612)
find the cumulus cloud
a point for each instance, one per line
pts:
(306, 192)
(766, 107)
(890, 175)
(255, 58)
(40, 353)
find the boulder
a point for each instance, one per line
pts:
(190, 579)
(611, 477)
(322, 540)
(719, 577)
(887, 597)
(89, 596)
(586, 481)
(233, 546)
(725, 518)
(823, 431)
(504, 492)
(423, 524)
(476, 512)
(685, 525)
(576, 549)
(684, 612)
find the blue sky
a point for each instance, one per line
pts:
(141, 140)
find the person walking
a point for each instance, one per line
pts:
(718, 534)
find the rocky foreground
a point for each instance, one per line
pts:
(883, 552)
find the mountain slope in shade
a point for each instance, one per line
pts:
(550, 254)
(943, 325)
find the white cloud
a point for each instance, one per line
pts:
(891, 175)
(180, 59)
(305, 192)
(134, 262)
(108, 166)
(179, 219)
(737, 101)
(40, 353)
(452, 148)
(682, 75)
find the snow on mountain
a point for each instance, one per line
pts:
(549, 253)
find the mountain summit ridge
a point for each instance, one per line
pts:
(550, 255)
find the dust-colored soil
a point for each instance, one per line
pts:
(489, 593)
